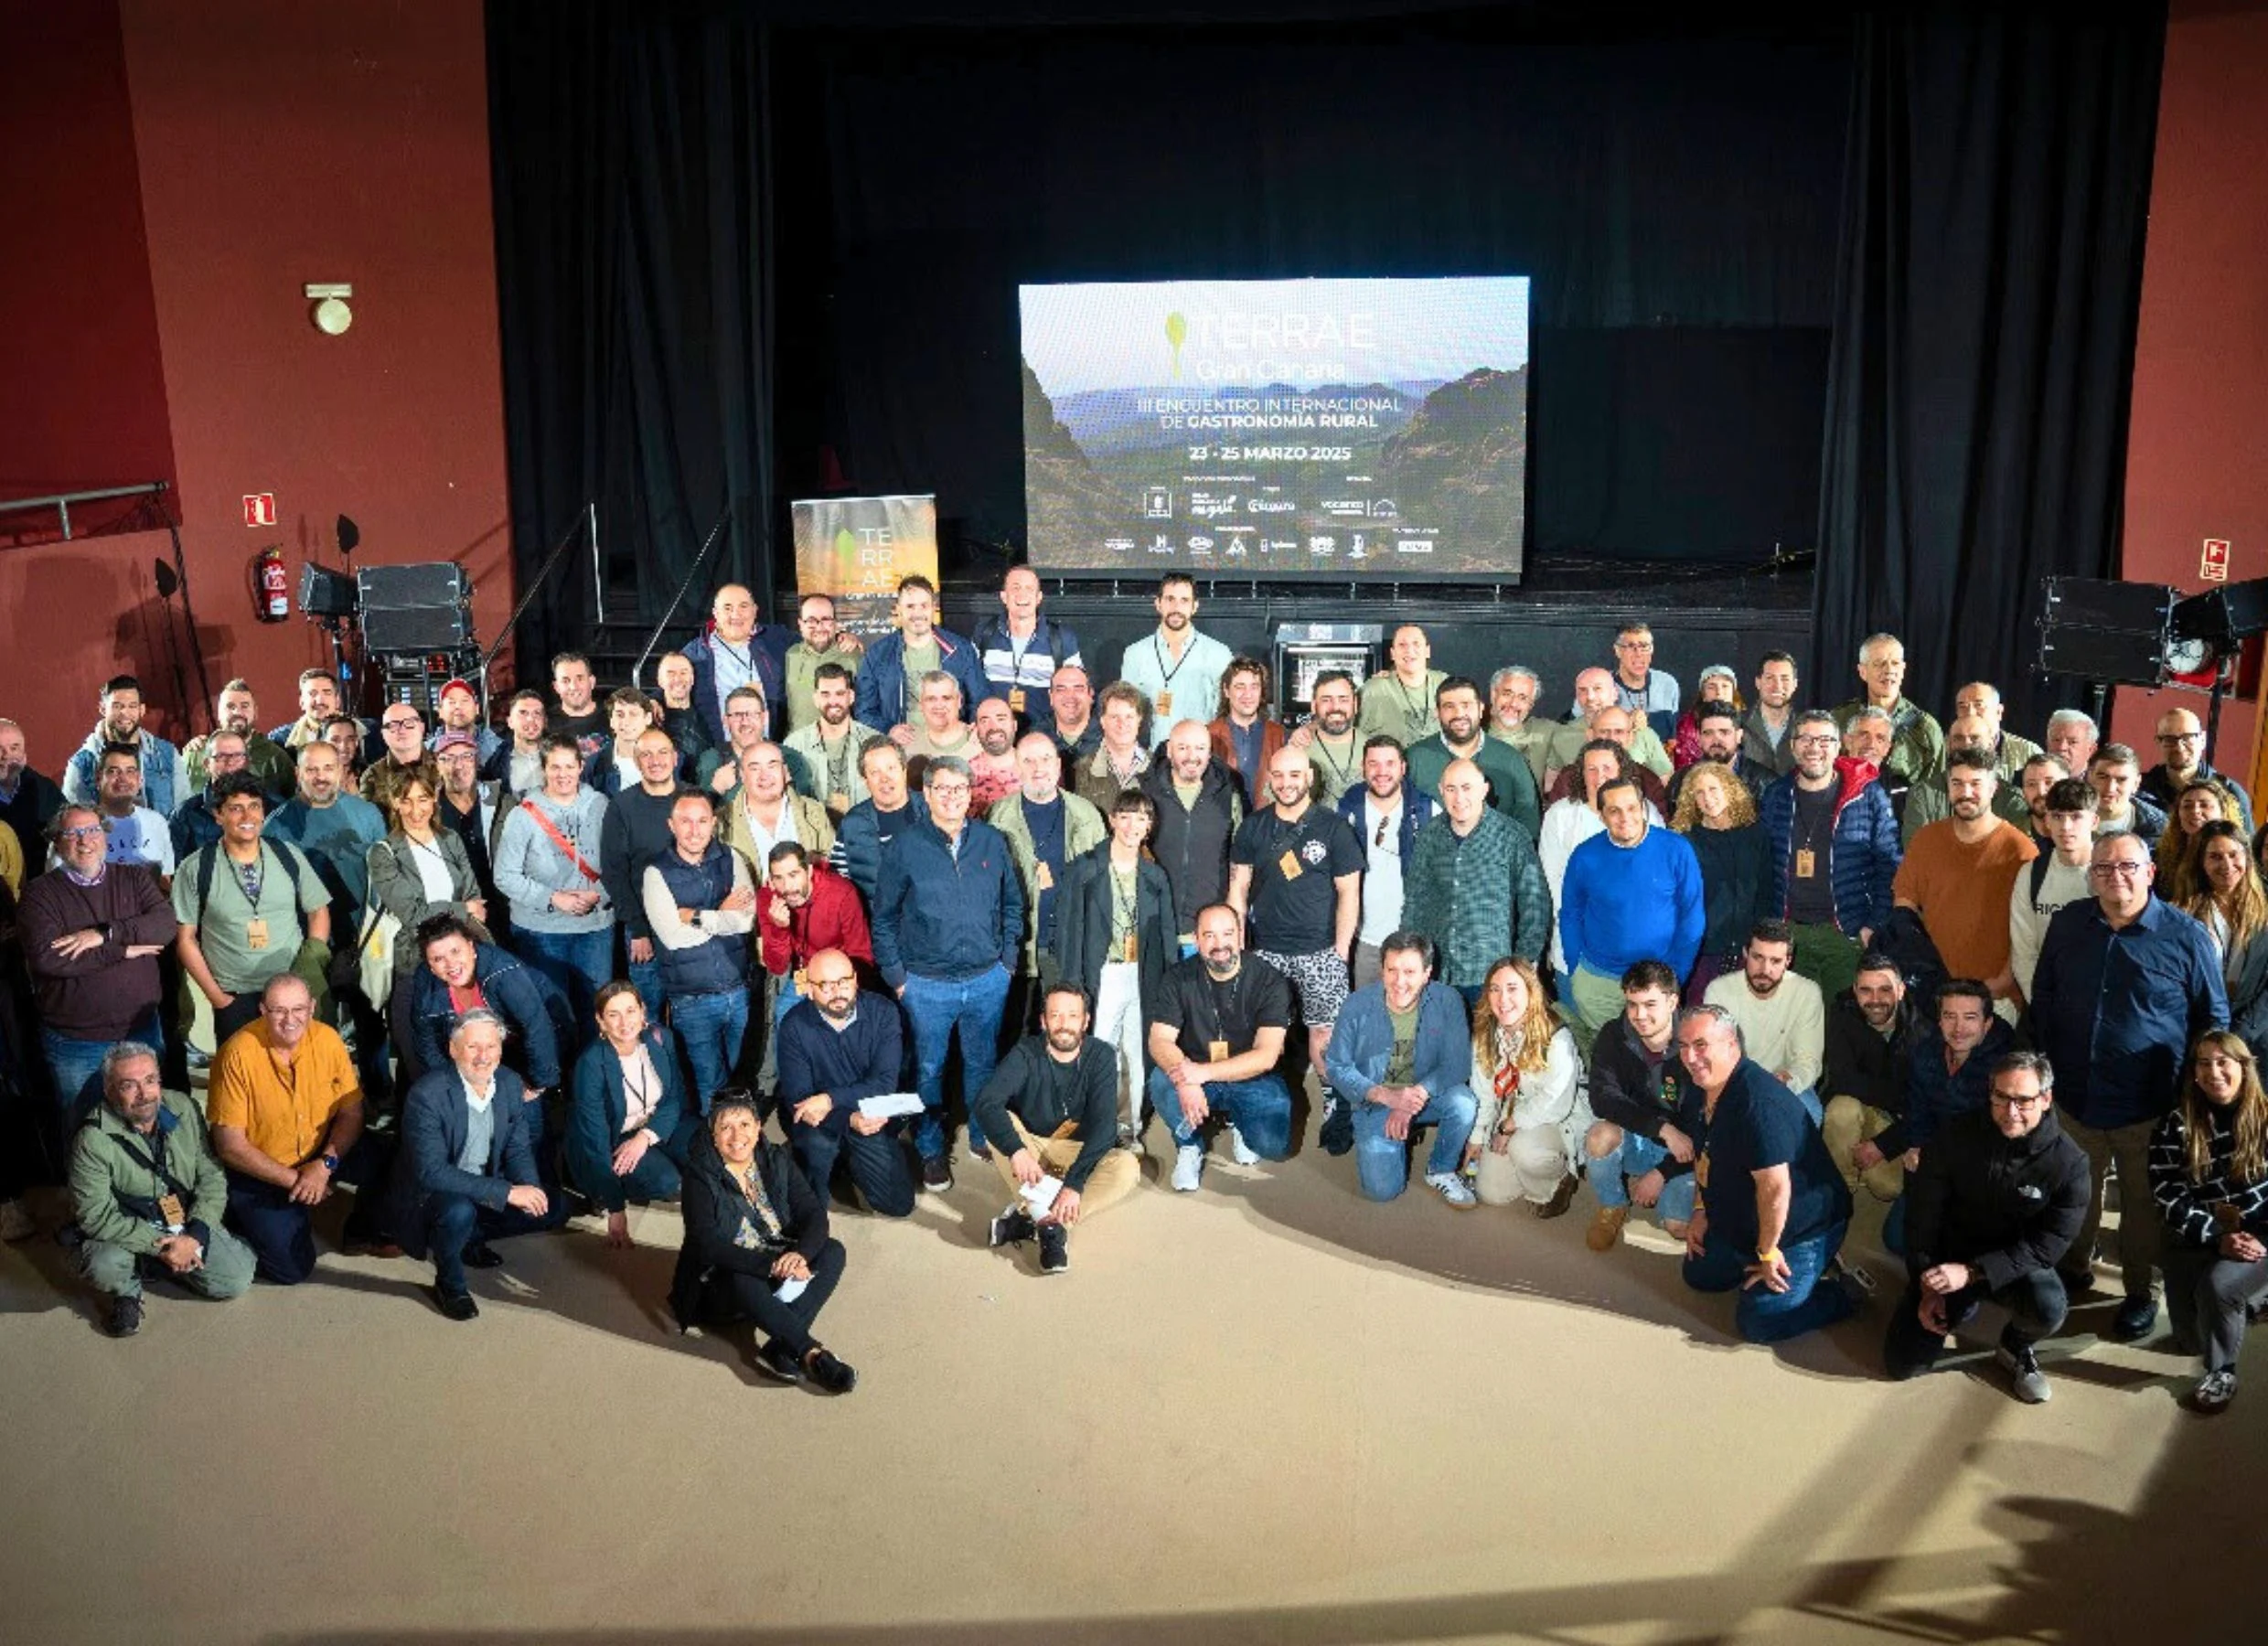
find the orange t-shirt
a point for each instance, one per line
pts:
(1963, 893)
(283, 1113)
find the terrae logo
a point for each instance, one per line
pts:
(1176, 334)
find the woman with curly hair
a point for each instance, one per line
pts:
(1528, 1086)
(1716, 814)
(2209, 1173)
(2200, 803)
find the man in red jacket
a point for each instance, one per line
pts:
(804, 907)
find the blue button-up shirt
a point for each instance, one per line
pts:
(2117, 1011)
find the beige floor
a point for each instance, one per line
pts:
(1266, 1412)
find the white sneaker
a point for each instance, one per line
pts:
(1240, 1150)
(15, 1223)
(1453, 1189)
(1188, 1167)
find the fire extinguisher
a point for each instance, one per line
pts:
(271, 586)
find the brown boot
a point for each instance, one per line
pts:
(1561, 1198)
(1606, 1228)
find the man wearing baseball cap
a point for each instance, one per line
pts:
(459, 708)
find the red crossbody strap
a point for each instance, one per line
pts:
(559, 839)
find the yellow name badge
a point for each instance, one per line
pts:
(1806, 864)
(1015, 700)
(1216, 1051)
(1290, 863)
(1165, 703)
(1044, 878)
(256, 934)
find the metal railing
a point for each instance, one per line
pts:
(586, 522)
(708, 543)
(62, 501)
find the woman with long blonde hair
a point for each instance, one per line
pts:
(1716, 814)
(1526, 1082)
(2199, 804)
(2209, 1175)
(2229, 899)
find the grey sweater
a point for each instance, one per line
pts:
(530, 868)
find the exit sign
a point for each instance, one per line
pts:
(2214, 567)
(260, 508)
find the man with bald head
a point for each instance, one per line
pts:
(1980, 700)
(839, 1046)
(1201, 805)
(737, 651)
(1595, 692)
(2181, 762)
(1618, 726)
(1296, 875)
(1929, 800)
(1474, 884)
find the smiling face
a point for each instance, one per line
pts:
(452, 959)
(1188, 750)
(1242, 688)
(1064, 1018)
(1594, 690)
(1402, 973)
(1708, 797)
(622, 1019)
(1961, 1020)
(1969, 792)
(1383, 769)
(673, 677)
(1816, 745)
(2224, 864)
(996, 727)
(625, 720)
(815, 621)
(287, 1009)
(460, 770)
(1072, 696)
(917, 614)
(733, 1132)
(1775, 685)
(236, 710)
(1290, 779)
(833, 700)
(460, 709)
(1877, 994)
(122, 714)
(1460, 709)
(764, 773)
(477, 1049)
(563, 774)
(574, 684)
(949, 795)
(692, 825)
(1709, 1047)
(1335, 708)
(525, 719)
(80, 840)
(1122, 723)
(320, 773)
(1411, 651)
(2019, 1104)
(735, 609)
(657, 760)
(885, 770)
(134, 1091)
(1512, 700)
(240, 818)
(2219, 1071)
(1019, 598)
(1177, 607)
(1624, 809)
(940, 707)
(1220, 939)
(318, 697)
(1464, 795)
(1882, 670)
(1507, 997)
(414, 809)
(118, 782)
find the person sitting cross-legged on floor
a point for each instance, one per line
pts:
(1216, 1037)
(1400, 1055)
(1530, 1115)
(756, 1247)
(149, 1193)
(2208, 1172)
(466, 1172)
(1773, 1210)
(629, 1117)
(1051, 1111)
(1998, 1199)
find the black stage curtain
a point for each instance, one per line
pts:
(634, 250)
(1996, 193)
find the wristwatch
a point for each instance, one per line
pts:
(330, 1164)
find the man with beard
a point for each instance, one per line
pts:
(28, 800)
(318, 700)
(1511, 787)
(1474, 884)
(1980, 700)
(1719, 730)
(1386, 815)
(825, 644)
(459, 709)
(1783, 1019)
(120, 722)
(136, 834)
(1216, 1037)
(236, 710)
(1958, 874)
(1050, 1110)
(992, 762)
(890, 679)
(1331, 738)
(1400, 701)
(737, 651)
(336, 829)
(831, 742)
(1835, 851)
(802, 907)
(1512, 720)
(1931, 799)
(1199, 809)
(578, 715)
(745, 717)
(519, 766)
(838, 1048)
(1046, 831)
(2041, 774)
(466, 807)
(1764, 738)
(1870, 1031)
(1296, 873)
(870, 828)
(1071, 697)
(1176, 670)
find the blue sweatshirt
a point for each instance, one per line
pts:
(1621, 904)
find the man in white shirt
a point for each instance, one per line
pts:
(1177, 667)
(1381, 813)
(136, 834)
(1782, 1016)
(2057, 877)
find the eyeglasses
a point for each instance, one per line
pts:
(1817, 740)
(403, 725)
(1379, 838)
(843, 982)
(2181, 737)
(85, 831)
(2032, 1101)
(2115, 871)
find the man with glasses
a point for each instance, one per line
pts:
(2124, 986)
(1835, 854)
(401, 728)
(1641, 688)
(1999, 1197)
(836, 1049)
(948, 930)
(825, 644)
(1773, 1209)
(2181, 762)
(92, 932)
(224, 753)
(285, 1108)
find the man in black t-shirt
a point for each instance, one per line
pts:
(1773, 1209)
(578, 715)
(1217, 1032)
(1296, 873)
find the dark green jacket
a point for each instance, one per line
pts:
(114, 1195)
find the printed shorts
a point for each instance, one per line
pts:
(1320, 980)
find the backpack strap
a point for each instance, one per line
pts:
(2040, 865)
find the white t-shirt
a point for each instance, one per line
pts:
(140, 837)
(1382, 881)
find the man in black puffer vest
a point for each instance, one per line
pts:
(701, 906)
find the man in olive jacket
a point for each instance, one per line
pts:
(149, 1193)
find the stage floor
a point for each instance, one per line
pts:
(1268, 1411)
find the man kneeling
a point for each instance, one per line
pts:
(1773, 1209)
(1401, 1053)
(149, 1193)
(1051, 1111)
(467, 1170)
(2000, 1195)
(1216, 1034)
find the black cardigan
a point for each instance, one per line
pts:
(713, 1208)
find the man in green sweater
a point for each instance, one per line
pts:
(1474, 884)
(149, 1193)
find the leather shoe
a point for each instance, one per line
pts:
(2135, 1317)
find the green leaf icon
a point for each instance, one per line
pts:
(1176, 334)
(846, 559)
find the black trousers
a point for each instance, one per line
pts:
(2035, 1302)
(730, 1296)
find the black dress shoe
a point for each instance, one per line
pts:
(2135, 1320)
(481, 1254)
(456, 1306)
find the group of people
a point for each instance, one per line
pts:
(1734, 962)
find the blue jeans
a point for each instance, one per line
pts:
(645, 978)
(714, 1027)
(1382, 1164)
(937, 1006)
(454, 1222)
(76, 1065)
(1768, 1317)
(1635, 1158)
(1809, 1098)
(784, 1000)
(1260, 1109)
(580, 963)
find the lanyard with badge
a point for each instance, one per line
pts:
(249, 878)
(1216, 1050)
(173, 1213)
(1165, 675)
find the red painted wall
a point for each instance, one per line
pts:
(279, 144)
(2196, 457)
